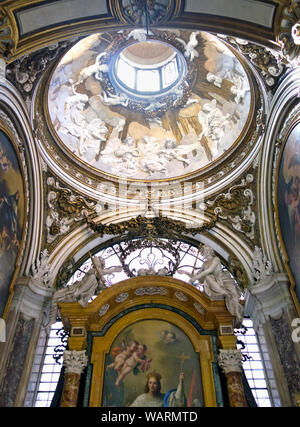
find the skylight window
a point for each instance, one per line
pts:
(148, 68)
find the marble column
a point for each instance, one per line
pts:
(74, 363)
(230, 362)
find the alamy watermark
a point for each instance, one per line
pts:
(296, 332)
(2, 330)
(153, 199)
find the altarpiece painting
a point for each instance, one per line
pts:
(151, 346)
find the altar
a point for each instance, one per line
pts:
(151, 336)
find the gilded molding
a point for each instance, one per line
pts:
(237, 206)
(269, 63)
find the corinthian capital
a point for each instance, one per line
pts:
(230, 361)
(75, 361)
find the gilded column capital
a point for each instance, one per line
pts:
(74, 361)
(230, 360)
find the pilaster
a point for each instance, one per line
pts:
(23, 325)
(269, 304)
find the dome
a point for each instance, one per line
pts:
(158, 106)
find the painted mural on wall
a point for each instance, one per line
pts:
(152, 363)
(11, 215)
(288, 196)
(149, 137)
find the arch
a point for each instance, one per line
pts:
(225, 243)
(151, 297)
(283, 115)
(14, 118)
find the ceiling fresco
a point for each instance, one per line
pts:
(150, 133)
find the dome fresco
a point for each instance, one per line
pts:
(174, 111)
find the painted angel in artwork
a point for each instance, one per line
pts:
(138, 358)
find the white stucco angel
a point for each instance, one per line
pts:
(216, 79)
(96, 132)
(82, 290)
(97, 69)
(190, 46)
(217, 283)
(239, 88)
(139, 34)
(213, 121)
(113, 99)
(174, 151)
(88, 133)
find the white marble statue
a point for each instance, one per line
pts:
(217, 283)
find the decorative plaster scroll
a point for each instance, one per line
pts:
(103, 310)
(261, 267)
(181, 296)
(122, 297)
(151, 290)
(41, 269)
(65, 208)
(236, 205)
(75, 361)
(230, 360)
(25, 71)
(269, 63)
